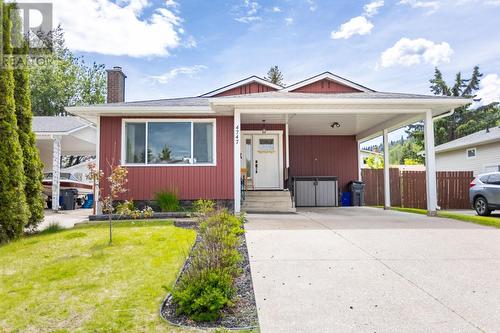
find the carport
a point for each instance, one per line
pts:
(60, 136)
(357, 117)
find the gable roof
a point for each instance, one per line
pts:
(243, 82)
(59, 125)
(328, 76)
(479, 138)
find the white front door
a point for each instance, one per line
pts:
(266, 161)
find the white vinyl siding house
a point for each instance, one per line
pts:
(478, 152)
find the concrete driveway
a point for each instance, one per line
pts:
(368, 270)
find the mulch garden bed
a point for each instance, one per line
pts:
(242, 315)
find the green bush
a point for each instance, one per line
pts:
(125, 208)
(203, 208)
(168, 201)
(204, 295)
(207, 286)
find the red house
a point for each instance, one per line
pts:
(202, 146)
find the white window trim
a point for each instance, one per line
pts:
(168, 120)
(467, 153)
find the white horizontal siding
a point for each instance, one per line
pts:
(457, 160)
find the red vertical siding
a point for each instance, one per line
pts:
(191, 182)
(325, 86)
(249, 88)
(324, 156)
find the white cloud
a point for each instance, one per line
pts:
(489, 91)
(118, 28)
(289, 21)
(173, 73)
(408, 52)
(358, 25)
(372, 8)
(312, 5)
(276, 9)
(431, 6)
(247, 12)
(486, 2)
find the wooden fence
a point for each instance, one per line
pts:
(408, 188)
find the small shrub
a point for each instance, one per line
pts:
(168, 201)
(148, 212)
(135, 214)
(207, 286)
(203, 208)
(204, 295)
(125, 208)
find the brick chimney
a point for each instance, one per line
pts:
(116, 85)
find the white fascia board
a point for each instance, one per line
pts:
(259, 101)
(328, 76)
(241, 83)
(467, 144)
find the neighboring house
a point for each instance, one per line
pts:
(364, 154)
(478, 152)
(60, 136)
(200, 146)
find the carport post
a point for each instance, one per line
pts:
(56, 171)
(237, 162)
(387, 184)
(430, 164)
(360, 163)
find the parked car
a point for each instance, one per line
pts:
(484, 193)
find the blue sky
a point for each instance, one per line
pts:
(182, 48)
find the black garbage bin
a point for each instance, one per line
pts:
(68, 199)
(357, 190)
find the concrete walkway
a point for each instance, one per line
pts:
(368, 270)
(65, 218)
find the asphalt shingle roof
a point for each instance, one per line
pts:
(477, 138)
(57, 124)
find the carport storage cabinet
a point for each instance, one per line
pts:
(316, 191)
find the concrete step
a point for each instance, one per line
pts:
(272, 204)
(250, 194)
(270, 211)
(278, 200)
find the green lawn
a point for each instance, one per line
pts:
(491, 221)
(72, 281)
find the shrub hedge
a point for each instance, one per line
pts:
(207, 285)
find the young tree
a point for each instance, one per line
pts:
(33, 168)
(275, 76)
(116, 182)
(13, 210)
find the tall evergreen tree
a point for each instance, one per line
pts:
(275, 76)
(33, 168)
(13, 209)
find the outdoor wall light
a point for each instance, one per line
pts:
(263, 127)
(335, 124)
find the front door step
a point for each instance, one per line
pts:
(268, 202)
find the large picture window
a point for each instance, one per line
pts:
(162, 142)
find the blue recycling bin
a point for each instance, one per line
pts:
(346, 199)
